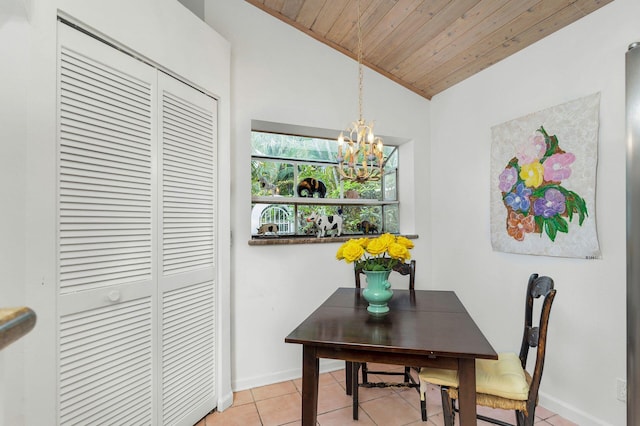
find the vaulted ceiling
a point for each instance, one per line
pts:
(428, 46)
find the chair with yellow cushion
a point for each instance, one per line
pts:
(503, 383)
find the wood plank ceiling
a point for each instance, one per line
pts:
(428, 46)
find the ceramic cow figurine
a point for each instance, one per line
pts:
(326, 223)
(268, 227)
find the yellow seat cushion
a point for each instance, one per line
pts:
(503, 377)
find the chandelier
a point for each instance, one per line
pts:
(360, 157)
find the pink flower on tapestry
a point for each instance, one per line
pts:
(532, 150)
(557, 167)
(508, 178)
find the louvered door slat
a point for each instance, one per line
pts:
(77, 102)
(194, 173)
(185, 395)
(186, 322)
(180, 132)
(186, 143)
(181, 199)
(82, 71)
(176, 188)
(120, 104)
(181, 110)
(105, 236)
(175, 176)
(80, 137)
(90, 154)
(187, 366)
(100, 378)
(87, 382)
(107, 74)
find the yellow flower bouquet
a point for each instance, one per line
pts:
(376, 254)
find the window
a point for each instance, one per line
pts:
(293, 177)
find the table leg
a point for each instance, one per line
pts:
(347, 375)
(467, 391)
(310, 374)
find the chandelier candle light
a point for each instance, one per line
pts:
(362, 148)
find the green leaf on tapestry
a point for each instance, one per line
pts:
(550, 141)
(514, 163)
(582, 208)
(539, 223)
(561, 224)
(576, 204)
(572, 207)
(551, 229)
(554, 144)
(539, 192)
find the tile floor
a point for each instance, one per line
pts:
(280, 404)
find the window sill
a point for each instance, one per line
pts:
(320, 201)
(303, 239)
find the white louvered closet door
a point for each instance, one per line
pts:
(107, 132)
(136, 241)
(186, 278)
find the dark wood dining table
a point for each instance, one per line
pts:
(424, 328)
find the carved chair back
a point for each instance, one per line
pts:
(536, 337)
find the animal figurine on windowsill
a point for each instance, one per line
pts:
(311, 229)
(367, 227)
(268, 186)
(326, 223)
(308, 187)
(268, 228)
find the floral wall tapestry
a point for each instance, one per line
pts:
(543, 181)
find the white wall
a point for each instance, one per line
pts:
(13, 50)
(587, 338)
(160, 30)
(282, 75)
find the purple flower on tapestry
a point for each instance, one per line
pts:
(552, 204)
(532, 150)
(519, 199)
(557, 167)
(507, 178)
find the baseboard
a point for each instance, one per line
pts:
(225, 401)
(569, 412)
(326, 365)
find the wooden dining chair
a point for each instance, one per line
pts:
(503, 383)
(408, 380)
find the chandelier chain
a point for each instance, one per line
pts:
(360, 57)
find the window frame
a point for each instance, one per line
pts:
(296, 201)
